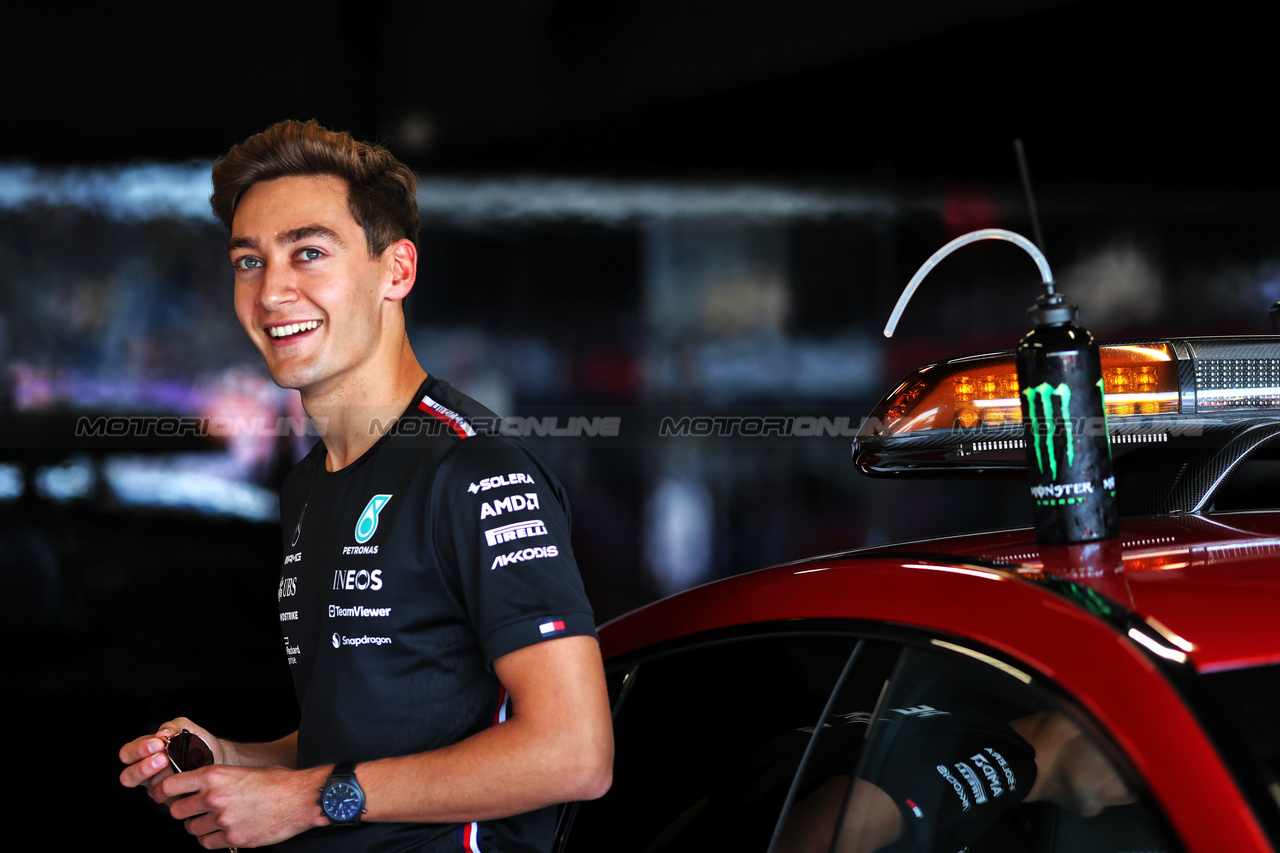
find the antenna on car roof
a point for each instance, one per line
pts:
(1026, 187)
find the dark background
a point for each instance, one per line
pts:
(1150, 138)
(1103, 93)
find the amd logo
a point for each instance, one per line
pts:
(511, 503)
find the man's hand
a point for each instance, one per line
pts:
(225, 806)
(148, 765)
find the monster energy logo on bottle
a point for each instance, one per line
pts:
(1042, 400)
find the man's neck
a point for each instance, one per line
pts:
(352, 416)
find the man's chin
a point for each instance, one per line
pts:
(288, 380)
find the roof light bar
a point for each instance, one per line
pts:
(965, 414)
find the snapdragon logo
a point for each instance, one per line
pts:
(367, 525)
(339, 641)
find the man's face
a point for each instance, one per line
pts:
(306, 289)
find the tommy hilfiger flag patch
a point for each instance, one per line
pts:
(549, 628)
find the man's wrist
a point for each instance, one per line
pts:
(230, 754)
(313, 780)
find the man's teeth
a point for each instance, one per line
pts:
(293, 329)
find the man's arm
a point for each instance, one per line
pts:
(555, 746)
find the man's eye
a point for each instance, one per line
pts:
(247, 263)
(310, 254)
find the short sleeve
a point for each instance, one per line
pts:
(951, 774)
(500, 519)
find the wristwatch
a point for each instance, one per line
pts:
(341, 798)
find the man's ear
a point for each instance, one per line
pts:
(402, 258)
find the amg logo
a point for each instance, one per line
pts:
(511, 503)
(293, 558)
(357, 580)
(519, 530)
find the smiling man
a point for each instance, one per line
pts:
(443, 652)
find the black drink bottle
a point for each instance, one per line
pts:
(1073, 490)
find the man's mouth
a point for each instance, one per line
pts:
(291, 329)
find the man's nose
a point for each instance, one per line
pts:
(278, 287)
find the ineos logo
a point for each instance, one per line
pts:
(360, 580)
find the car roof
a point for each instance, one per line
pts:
(1206, 587)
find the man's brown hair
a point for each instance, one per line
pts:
(382, 191)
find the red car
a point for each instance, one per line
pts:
(997, 694)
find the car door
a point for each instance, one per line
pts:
(761, 740)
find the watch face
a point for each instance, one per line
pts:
(342, 801)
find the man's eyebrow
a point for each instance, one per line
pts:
(296, 235)
(308, 232)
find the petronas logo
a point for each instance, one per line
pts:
(368, 523)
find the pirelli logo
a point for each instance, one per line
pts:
(511, 532)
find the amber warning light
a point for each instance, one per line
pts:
(983, 391)
(964, 415)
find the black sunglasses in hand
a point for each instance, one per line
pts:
(187, 751)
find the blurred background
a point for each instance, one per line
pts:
(632, 212)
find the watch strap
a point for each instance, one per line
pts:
(342, 770)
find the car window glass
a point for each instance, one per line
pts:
(707, 742)
(1243, 721)
(945, 760)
